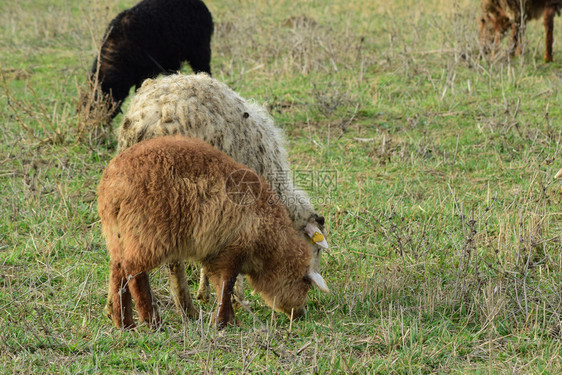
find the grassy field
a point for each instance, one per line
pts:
(432, 164)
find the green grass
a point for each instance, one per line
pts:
(444, 219)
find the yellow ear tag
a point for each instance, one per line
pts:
(317, 237)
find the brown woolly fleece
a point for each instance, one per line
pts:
(500, 15)
(174, 198)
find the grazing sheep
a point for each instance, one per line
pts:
(152, 37)
(500, 15)
(174, 198)
(202, 107)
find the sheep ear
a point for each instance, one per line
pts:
(317, 280)
(559, 174)
(316, 235)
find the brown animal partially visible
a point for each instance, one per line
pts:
(500, 15)
(175, 198)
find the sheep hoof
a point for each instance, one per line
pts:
(222, 324)
(129, 327)
(191, 313)
(108, 309)
(244, 303)
(203, 296)
(155, 324)
(125, 325)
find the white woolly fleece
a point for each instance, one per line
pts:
(199, 106)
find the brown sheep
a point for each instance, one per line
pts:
(500, 15)
(176, 198)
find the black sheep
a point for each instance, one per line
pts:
(152, 37)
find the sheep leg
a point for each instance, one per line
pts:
(108, 309)
(113, 248)
(122, 302)
(515, 42)
(239, 290)
(204, 291)
(139, 287)
(180, 290)
(549, 13)
(497, 38)
(224, 285)
(201, 61)
(482, 38)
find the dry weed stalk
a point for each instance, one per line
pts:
(50, 128)
(93, 118)
(94, 111)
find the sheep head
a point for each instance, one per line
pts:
(494, 23)
(289, 295)
(289, 278)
